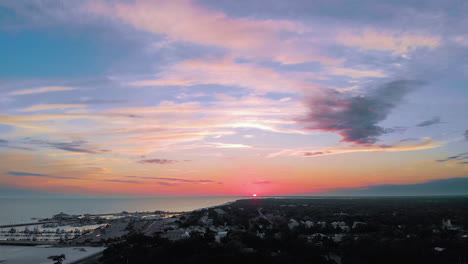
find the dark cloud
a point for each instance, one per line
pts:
(461, 156)
(409, 139)
(120, 181)
(79, 146)
(396, 130)
(262, 182)
(159, 161)
(171, 179)
(159, 180)
(308, 154)
(355, 118)
(430, 122)
(11, 145)
(19, 173)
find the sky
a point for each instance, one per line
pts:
(220, 97)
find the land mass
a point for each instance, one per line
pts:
(319, 230)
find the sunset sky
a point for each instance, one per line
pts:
(222, 97)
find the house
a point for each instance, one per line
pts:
(176, 234)
(292, 223)
(342, 225)
(219, 211)
(357, 223)
(220, 235)
(309, 224)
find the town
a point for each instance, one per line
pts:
(265, 230)
(353, 230)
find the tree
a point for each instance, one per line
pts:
(58, 259)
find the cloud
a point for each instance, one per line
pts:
(354, 73)
(461, 156)
(27, 174)
(462, 40)
(430, 122)
(120, 181)
(307, 154)
(79, 146)
(220, 71)
(19, 173)
(158, 161)
(9, 144)
(172, 179)
(227, 145)
(424, 143)
(261, 182)
(355, 118)
(186, 21)
(386, 40)
(466, 135)
(43, 107)
(47, 89)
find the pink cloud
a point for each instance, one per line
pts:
(183, 20)
(387, 40)
(226, 72)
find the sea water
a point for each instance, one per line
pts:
(23, 210)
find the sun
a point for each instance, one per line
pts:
(254, 195)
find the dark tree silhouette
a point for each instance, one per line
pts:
(58, 259)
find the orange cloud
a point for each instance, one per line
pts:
(42, 90)
(425, 143)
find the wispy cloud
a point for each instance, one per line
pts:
(397, 42)
(43, 107)
(459, 157)
(158, 161)
(79, 146)
(177, 180)
(42, 90)
(430, 122)
(27, 174)
(220, 71)
(261, 182)
(424, 143)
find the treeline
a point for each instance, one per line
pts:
(238, 248)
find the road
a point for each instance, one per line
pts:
(263, 216)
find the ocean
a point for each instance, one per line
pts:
(22, 210)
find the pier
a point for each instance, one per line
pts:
(27, 224)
